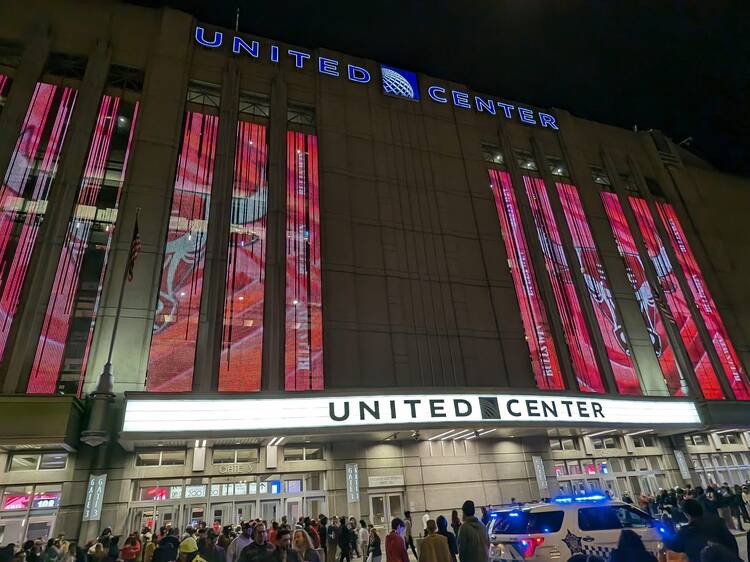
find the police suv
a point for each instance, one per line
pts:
(565, 526)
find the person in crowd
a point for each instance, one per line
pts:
(243, 540)
(96, 553)
(189, 550)
(310, 527)
(168, 547)
(374, 552)
(434, 547)
(701, 529)
(51, 552)
(718, 553)
(455, 521)
(31, 551)
(303, 548)
(272, 532)
(332, 539)
(442, 529)
(395, 546)
(216, 527)
(425, 518)
(706, 499)
(354, 537)
(408, 537)
(724, 504)
(211, 551)
(259, 550)
(363, 537)
(225, 539)
(473, 543)
(626, 498)
(740, 499)
(130, 550)
(630, 548)
(736, 506)
(148, 547)
(345, 540)
(322, 530)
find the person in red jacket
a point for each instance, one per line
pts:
(395, 547)
(131, 548)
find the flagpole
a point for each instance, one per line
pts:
(105, 384)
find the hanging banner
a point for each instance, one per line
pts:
(92, 508)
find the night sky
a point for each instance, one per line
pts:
(682, 67)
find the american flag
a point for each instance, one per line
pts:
(135, 249)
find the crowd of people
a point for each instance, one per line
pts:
(696, 522)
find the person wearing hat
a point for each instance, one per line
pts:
(473, 543)
(189, 550)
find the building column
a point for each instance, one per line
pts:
(25, 330)
(641, 351)
(575, 270)
(148, 186)
(683, 361)
(661, 231)
(210, 323)
(274, 303)
(537, 260)
(24, 81)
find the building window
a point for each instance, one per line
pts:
(37, 461)
(697, 440)
(557, 167)
(605, 442)
(160, 458)
(641, 441)
(629, 183)
(563, 444)
(230, 456)
(293, 486)
(314, 481)
(303, 453)
(600, 176)
(493, 155)
(729, 439)
(525, 160)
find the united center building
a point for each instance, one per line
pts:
(347, 287)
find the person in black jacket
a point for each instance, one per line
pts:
(373, 545)
(699, 531)
(345, 540)
(630, 549)
(442, 529)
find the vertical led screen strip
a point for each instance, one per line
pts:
(242, 340)
(705, 303)
(5, 82)
(303, 360)
(544, 361)
(597, 285)
(574, 323)
(651, 314)
(25, 189)
(172, 356)
(62, 350)
(676, 301)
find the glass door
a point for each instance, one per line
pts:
(384, 507)
(269, 510)
(195, 513)
(245, 511)
(293, 509)
(222, 513)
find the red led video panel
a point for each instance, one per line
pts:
(544, 360)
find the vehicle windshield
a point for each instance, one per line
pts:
(523, 522)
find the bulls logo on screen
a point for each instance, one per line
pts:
(399, 83)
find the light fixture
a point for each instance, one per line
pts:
(280, 440)
(639, 432)
(441, 434)
(601, 432)
(450, 435)
(461, 433)
(486, 431)
(272, 441)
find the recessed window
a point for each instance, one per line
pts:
(600, 176)
(230, 456)
(160, 458)
(492, 154)
(698, 439)
(37, 461)
(563, 444)
(293, 486)
(557, 167)
(525, 160)
(303, 453)
(729, 439)
(605, 442)
(641, 441)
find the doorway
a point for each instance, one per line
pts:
(269, 510)
(384, 507)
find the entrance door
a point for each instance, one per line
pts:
(195, 513)
(610, 485)
(269, 510)
(384, 507)
(222, 513)
(293, 509)
(245, 511)
(40, 527)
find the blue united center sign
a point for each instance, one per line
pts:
(395, 82)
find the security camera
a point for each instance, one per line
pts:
(415, 435)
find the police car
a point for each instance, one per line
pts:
(565, 526)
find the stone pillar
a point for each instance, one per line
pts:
(274, 309)
(30, 313)
(210, 323)
(148, 186)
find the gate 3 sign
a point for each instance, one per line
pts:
(157, 414)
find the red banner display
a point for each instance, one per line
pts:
(574, 323)
(653, 315)
(676, 303)
(25, 190)
(705, 304)
(303, 357)
(607, 316)
(544, 360)
(172, 356)
(242, 340)
(62, 351)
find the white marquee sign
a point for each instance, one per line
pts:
(159, 415)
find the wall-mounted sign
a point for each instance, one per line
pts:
(383, 481)
(235, 468)
(541, 476)
(395, 81)
(352, 483)
(177, 415)
(92, 506)
(682, 465)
